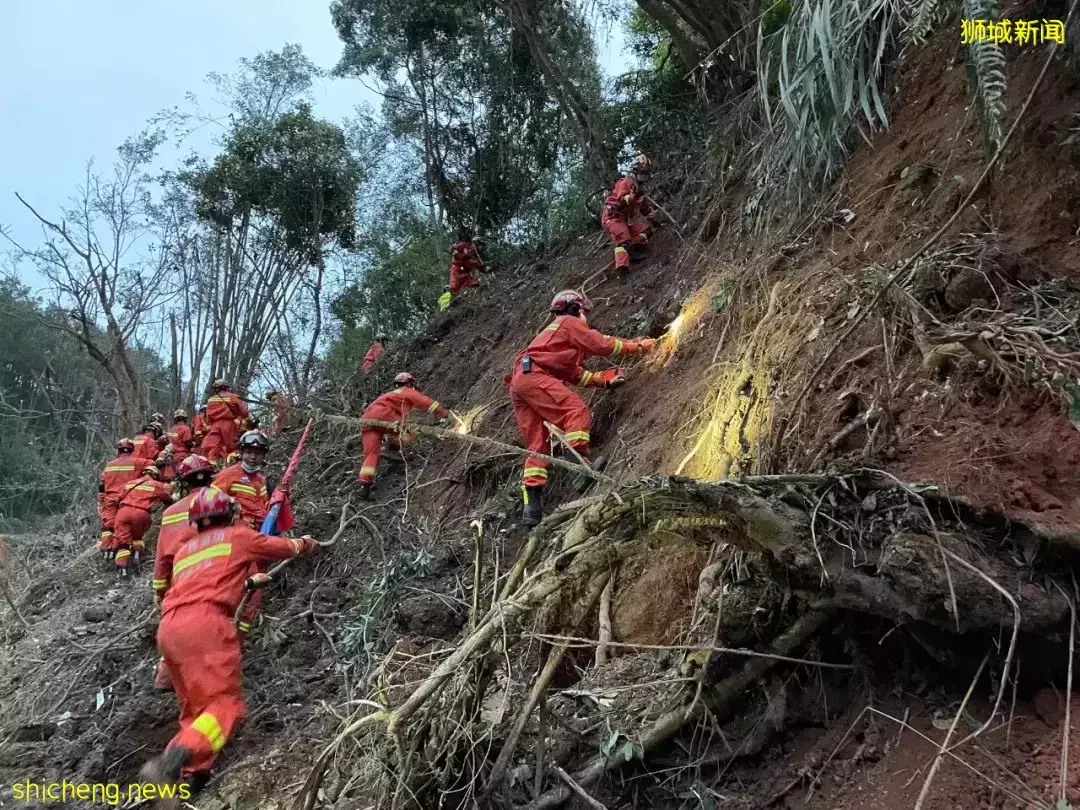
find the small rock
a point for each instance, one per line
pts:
(869, 503)
(1049, 708)
(96, 613)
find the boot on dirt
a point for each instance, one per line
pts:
(365, 492)
(583, 482)
(164, 771)
(533, 511)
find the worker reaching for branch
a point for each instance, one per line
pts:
(464, 259)
(539, 393)
(393, 406)
(193, 474)
(227, 415)
(245, 483)
(122, 470)
(197, 638)
(133, 518)
(627, 211)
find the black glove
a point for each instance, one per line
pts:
(616, 382)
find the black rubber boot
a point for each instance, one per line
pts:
(365, 492)
(533, 511)
(583, 482)
(165, 771)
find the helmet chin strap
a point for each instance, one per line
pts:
(250, 468)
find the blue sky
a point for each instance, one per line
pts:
(82, 75)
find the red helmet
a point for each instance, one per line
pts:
(152, 470)
(404, 378)
(125, 446)
(570, 301)
(209, 503)
(255, 438)
(193, 465)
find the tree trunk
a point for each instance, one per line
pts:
(690, 52)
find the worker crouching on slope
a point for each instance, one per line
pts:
(393, 406)
(539, 394)
(464, 259)
(374, 352)
(122, 470)
(282, 407)
(624, 210)
(197, 639)
(133, 518)
(245, 483)
(193, 474)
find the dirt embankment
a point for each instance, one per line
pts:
(75, 683)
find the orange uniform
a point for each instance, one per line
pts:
(181, 440)
(226, 413)
(622, 209)
(541, 395)
(374, 352)
(200, 426)
(118, 472)
(146, 446)
(176, 530)
(133, 516)
(282, 413)
(463, 259)
(393, 406)
(197, 639)
(248, 489)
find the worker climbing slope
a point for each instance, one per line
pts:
(245, 483)
(464, 259)
(180, 437)
(117, 473)
(393, 406)
(150, 442)
(227, 413)
(374, 352)
(199, 428)
(282, 407)
(197, 639)
(539, 393)
(627, 211)
(192, 475)
(133, 518)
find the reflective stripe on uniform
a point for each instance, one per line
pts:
(120, 468)
(585, 377)
(243, 627)
(552, 327)
(621, 249)
(243, 488)
(179, 517)
(536, 472)
(122, 554)
(159, 584)
(207, 725)
(145, 488)
(367, 470)
(220, 550)
(434, 406)
(577, 436)
(618, 346)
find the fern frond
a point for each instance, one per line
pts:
(922, 16)
(986, 67)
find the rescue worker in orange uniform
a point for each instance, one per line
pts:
(245, 483)
(374, 352)
(150, 442)
(181, 439)
(192, 474)
(197, 639)
(624, 210)
(133, 517)
(118, 472)
(199, 428)
(393, 406)
(282, 411)
(539, 393)
(226, 413)
(464, 258)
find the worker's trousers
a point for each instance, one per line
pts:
(539, 398)
(624, 234)
(132, 524)
(461, 278)
(220, 441)
(373, 441)
(201, 649)
(107, 513)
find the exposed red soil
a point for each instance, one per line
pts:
(654, 594)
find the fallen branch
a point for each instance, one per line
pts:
(442, 433)
(578, 789)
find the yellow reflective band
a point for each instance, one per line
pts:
(585, 377)
(179, 517)
(536, 472)
(159, 584)
(367, 470)
(121, 468)
(123, 554)
(207, 725)
(145, 487)
(577, 436)
(552, 327)
(106, 533)
(220, 550)
(618, 346)
(243, 488)
(620, 250)
(262, 491)
(243, 627)
(434, 406)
